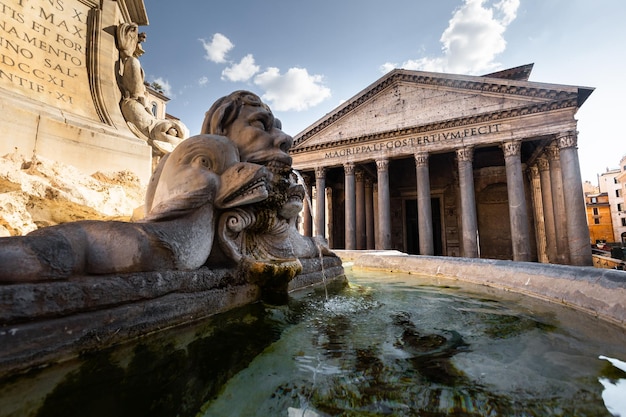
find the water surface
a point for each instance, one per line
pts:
(403, 345)
(388, 345)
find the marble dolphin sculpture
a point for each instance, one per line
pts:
(202, 175)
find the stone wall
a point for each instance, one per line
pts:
(59, 93)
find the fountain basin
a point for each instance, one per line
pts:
(55, 321)
(387, 344)
(596, 291)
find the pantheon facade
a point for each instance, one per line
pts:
(450, 165)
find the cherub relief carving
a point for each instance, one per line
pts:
(163, 135)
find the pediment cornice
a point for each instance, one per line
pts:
(548, 92)
(567, 102)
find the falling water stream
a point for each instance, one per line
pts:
(388, 345)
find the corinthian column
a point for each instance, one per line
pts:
(307, 224)
(518, 214)
(548, 208)
(469, 221)
(320, 201)
(350, 206)
(359, 175)
(369, 214)
(540, 229)
(424, 209)
(558, 204)
(577, 229)
(384, 205)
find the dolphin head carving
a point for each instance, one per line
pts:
(203, 169)
(243, 183)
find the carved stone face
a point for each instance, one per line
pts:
(258, 137)
(294, 201)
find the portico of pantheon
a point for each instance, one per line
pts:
(451, 165)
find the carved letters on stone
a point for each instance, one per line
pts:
(44, 53)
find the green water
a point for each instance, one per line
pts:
(388, 345)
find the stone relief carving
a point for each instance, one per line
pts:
(233, 183)
(201, 176)
(162, 134)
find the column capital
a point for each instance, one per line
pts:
(320, 172)
(348, 168)
(552, 151)
(533, 171)
(382, 165)
(542, 163)
(512, 148)
(308, 180)
(369, 182)
(567, 139)
(421, 159)
(359, 174)
(465, 154)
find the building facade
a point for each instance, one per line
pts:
(610, 184)
(599, 217)
(452, 165)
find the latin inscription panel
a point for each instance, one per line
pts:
(43, 52)
(425, 140)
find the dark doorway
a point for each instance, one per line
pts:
(412, 234)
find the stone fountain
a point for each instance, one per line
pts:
(219, 232)
(218, 229)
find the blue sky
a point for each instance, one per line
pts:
(305, 58)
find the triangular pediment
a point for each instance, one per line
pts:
(405, 99)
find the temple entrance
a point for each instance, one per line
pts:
(412, 233)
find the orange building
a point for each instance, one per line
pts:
(599, 217)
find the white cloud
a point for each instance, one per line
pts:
(217, 49)
(203, 81)
(388, 66)
(472, 40)
(508, 8)
(242, 71)
(165, 85)
(295, 90)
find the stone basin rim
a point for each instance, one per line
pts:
(595, 291)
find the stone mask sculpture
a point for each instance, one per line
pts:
(202, 175)
(263, 238)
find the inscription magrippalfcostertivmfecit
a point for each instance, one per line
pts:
(415, 141)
